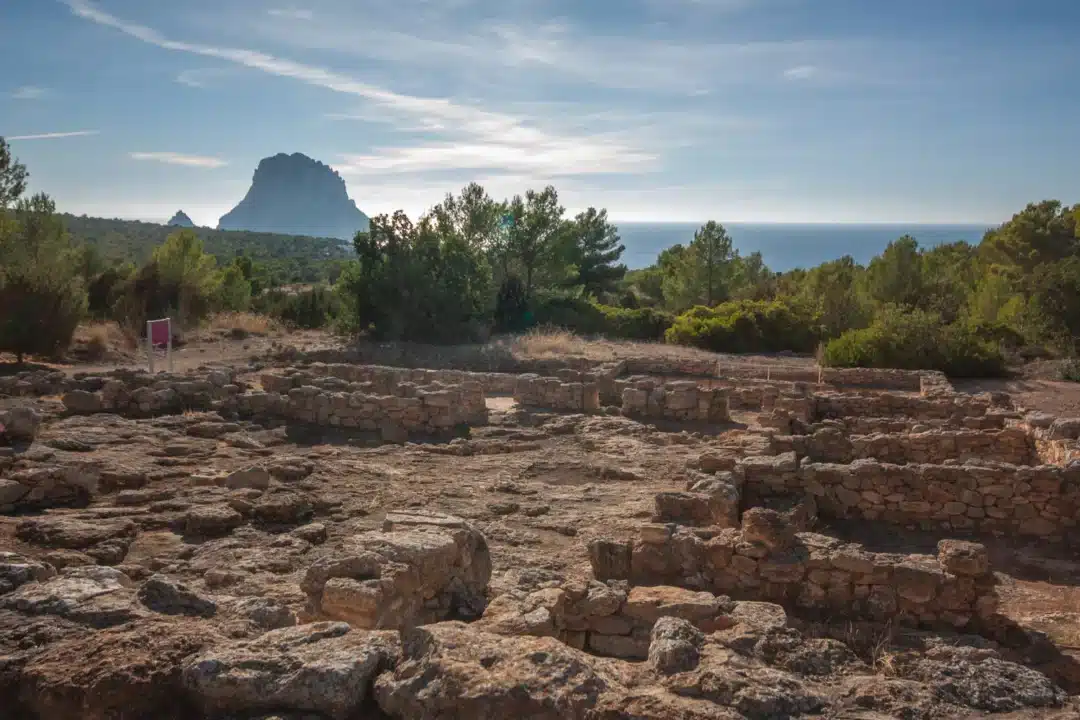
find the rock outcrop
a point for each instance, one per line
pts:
(180, 219)
(295, 195)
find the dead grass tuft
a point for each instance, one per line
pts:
(549, 342)
(98, 341)
(240, 325)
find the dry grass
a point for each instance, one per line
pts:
(550, 342)
(97, 341)
(243, 324)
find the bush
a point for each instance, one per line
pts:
(1070, 370)
(585, 317)
(744, 326)
(39, 317)
(914, 340)
(312, 308)
(42, 298)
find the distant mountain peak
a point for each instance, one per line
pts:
(296, 195)
(180, 219)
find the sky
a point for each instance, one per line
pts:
(935, 111)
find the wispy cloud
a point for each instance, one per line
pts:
(29, 92)
(54, 136)
(483, 135)
(291, 14)
(202, 78)
(800, 72)
(172, 158)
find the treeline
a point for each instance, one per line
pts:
(473, 265)
(281, 259)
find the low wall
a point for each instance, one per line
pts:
(555, 394)
(433, 409)
(831, 445)
(608, 619)
(1040, 501)
(384, 379)
(953, 407)
(1057, 440)
(681, 400)
(139, 394)
(765, 559)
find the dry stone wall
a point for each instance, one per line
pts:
(610, 618)
(953, 408)
(683, 400)
(1011, 445)
(1041, 501)
(555, 394)
(766, 559)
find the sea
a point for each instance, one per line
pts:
(786, 246)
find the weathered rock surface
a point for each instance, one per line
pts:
(323, 668)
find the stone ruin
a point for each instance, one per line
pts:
(704, 611)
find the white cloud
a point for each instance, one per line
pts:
(800, 72)
(478, 135)
(291, 14)
(172, 158)
(54, 136)
(29, 92)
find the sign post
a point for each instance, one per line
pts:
(159, 334)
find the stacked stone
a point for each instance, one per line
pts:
(767, 559)
(606, 618)
(555, 394)
(1056, 440)
(430, 410)
(1041, 500)
(693, 367)
(141, 394)
(878, 378)
(420, 568)
(954, 408)
(682, 400)
(35, 383)
(1011, 445)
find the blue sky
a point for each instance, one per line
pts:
(684, 110)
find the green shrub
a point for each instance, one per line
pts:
(1070, 370)
(744, 326)
(915, 340)
(585, 317)
(311, 308)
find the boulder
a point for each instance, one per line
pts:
(769, 528)
(324, 667)
(674, 646)
(252, 477)
(82, 402)
(166, 596)
(399, 578)
(11, 492)
(960, 557)
(72, 534)
(212, 521)
(91, 595)
(16, 570)
(263, 613)
(20, 423)
(610, 559)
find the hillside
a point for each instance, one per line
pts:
(300, 258)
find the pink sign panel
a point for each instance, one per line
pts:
(159, 332)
